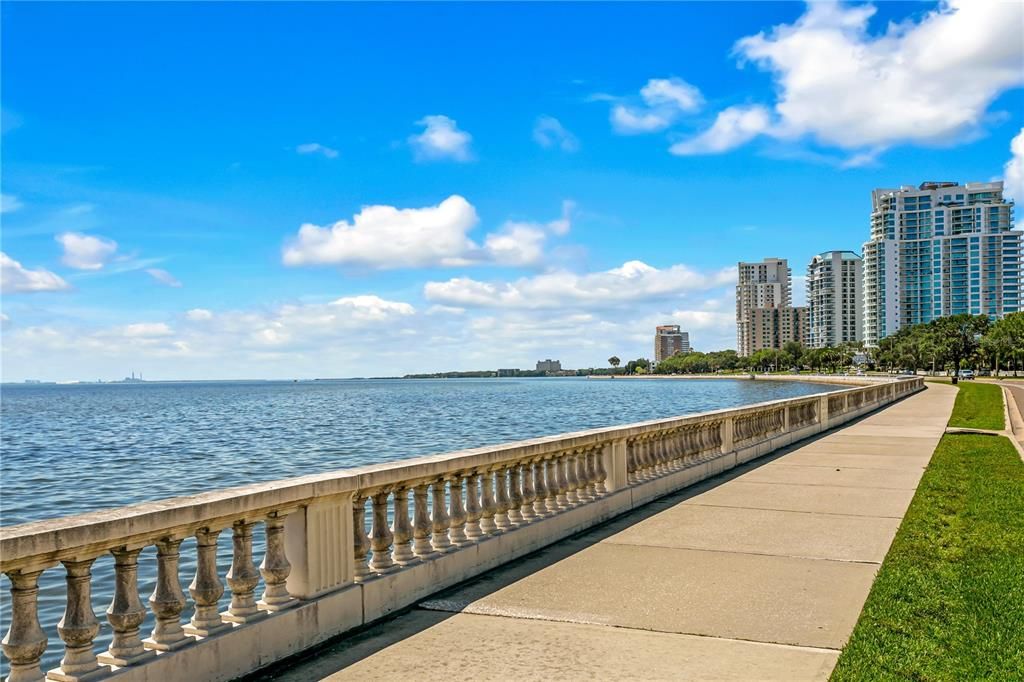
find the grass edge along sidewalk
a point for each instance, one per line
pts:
(978, 406)
(948, 601)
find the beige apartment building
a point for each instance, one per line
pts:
(765, 317)
(835, 299)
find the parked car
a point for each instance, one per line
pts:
(965, 374)
(908, 373)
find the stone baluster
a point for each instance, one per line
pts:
(593, 457)
(360, 542)
(657, 455)
(275, 567)
(380, 535)
(572, 479)
(79, 627)
(631, 461)
(526, 511)
(126, 612)
(651, 452)
(501, 503)
(167, 600)
(515, 496)
(25, 641)
(672, 442)
(473, 508)
(442, 543)
(490, 507)
(421, 527)
(457, 514)
(242, 576)
(601, 474)
(640, 458)
(555, 489)
(540, 502)
(583, 492)
(402, 531)
(206, 588)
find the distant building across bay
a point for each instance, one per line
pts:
(669, 340)
(549, 365)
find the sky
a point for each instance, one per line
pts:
(262, 190)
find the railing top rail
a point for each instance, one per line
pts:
(92, 533)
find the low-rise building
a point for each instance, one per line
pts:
(549, 365)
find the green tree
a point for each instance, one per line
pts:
(614, 361)
(960, 336)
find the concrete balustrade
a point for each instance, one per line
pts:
(328, 567)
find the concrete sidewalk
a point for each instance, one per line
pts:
(758, 574)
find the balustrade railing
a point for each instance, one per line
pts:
(349, 529)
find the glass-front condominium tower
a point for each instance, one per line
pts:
(834, 299)
(939, 249)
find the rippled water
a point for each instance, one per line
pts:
(78, 448)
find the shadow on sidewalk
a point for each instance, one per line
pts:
(349, 648)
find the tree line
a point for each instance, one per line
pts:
(944, 344)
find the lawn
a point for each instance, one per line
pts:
(948, 602)
(978, 406)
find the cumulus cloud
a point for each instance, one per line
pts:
(733, 127)
(143, 330)
(549, 132)
(86, 252)
(632, 282)
(9, 203)
(386, 237)
(317, 148)
(389, 237)
(15, 278)
(1013, 171)
(164, 277)
(662, 102)
(441, 140)
(199, 315)
(925, 82)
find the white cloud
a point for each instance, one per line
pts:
(732, 127)
(15, 278)
(389, 237)
(633, 282)
(9, 203)
(85, 252)
(631, 121)
(163, 277)
(1013, 171)
(386, 237)
(369, 307)
(516, 244)
(664, 101)
(671, 91)
(143, 330)
(317, 148)
(199, 315)
(549, 132)
(927, 81)
(441, 139)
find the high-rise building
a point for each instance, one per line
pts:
(669, 340)
(834, 299)
(939, 249)
(549, 365)
(765, 317)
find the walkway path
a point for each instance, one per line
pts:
(757, 574)
(1016, 411)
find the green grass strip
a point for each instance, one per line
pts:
(978, 406)
(948, 602)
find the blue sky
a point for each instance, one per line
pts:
(550, 180)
